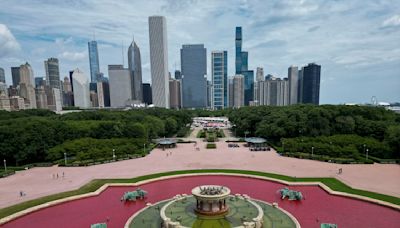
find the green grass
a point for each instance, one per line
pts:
(93, 185)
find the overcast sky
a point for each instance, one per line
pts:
(357, 42)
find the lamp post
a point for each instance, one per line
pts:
(65, 158)
(114, 154)
(312, 151)
(245, 134)
(364, 148)
(366, 154)
(5, 165)
(144, 148)
(234, 126)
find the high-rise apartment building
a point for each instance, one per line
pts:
(311, 83)
(159, 61)
(80, 85)
(2, 75)
(293, 76)
(260, 74)
(273, 91)
(26, 74)
(219, 77)
(241, 66)
(194, 70)
(120, 85)
(15, 76)
(230, 92)
(93, 61)
(52, 73)
(175, 93)
(135, 68)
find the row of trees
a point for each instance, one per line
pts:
(27, 136)
(300, 121)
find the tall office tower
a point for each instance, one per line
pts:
(53, 98)
(194, 70)
(27, 91)
(39, 82)
(147, 94)
(260, 74)
(120, 85)
(26, 74)
(93, 60)
(274, 91)
(2, 75)
(103, 94)
(230, 92)
(241, 66)
(209, 93)
(300, 86)
(311, 83)
(159, 61)
(15, 76)
(135, 67)
(100, 95)
(219, 77)
(41, 97)
(80, 85)
(293, 75)
(3, 90)
(178, 75)
(175, 93)
(52, 73)
(238, 91)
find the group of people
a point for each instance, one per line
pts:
(56, 176)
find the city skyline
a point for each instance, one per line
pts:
(359, 59)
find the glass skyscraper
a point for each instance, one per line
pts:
(93, 60)
(219, 75)
(194, 70)
(52, 73)
(135, 68)
(311, 83)
(241, 66)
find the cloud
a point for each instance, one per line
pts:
(73, 56)
(8, 43)
(314, 28)
(393, 21)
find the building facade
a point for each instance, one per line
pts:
(273, 91)
(311, 83)
(135, 68)
(194, 71)
(120, 85)
(241, 67)
(175, 93)
(2, 75)
(219, 77)
(93, 60)
(238, 91)
(147, 94)
(80, 85)
(293, 76)
(159, 61)
(15, 76)
(52, 73)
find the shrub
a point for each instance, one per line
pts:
(211, 146)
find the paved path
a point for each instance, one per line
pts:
(38, 182)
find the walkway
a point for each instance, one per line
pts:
(39, 182)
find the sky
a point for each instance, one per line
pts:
(357, 42)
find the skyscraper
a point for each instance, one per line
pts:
(15, 76)
(241, 66)
(26, 84)
(273, 91)
(135, 68)
(293, 75)
(219, 77)
(120, 85)
(93, 60)
(175, 93)
(80, 85)
(147, 94)
(260, 74)
(194, 70)
(238, 91)
(311, 83)
(159, 61)
(2, 75)
(52, 73)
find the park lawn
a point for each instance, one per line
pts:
(93, 185)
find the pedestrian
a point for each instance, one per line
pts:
(57, 175)
(63, 175)
(21, 193)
